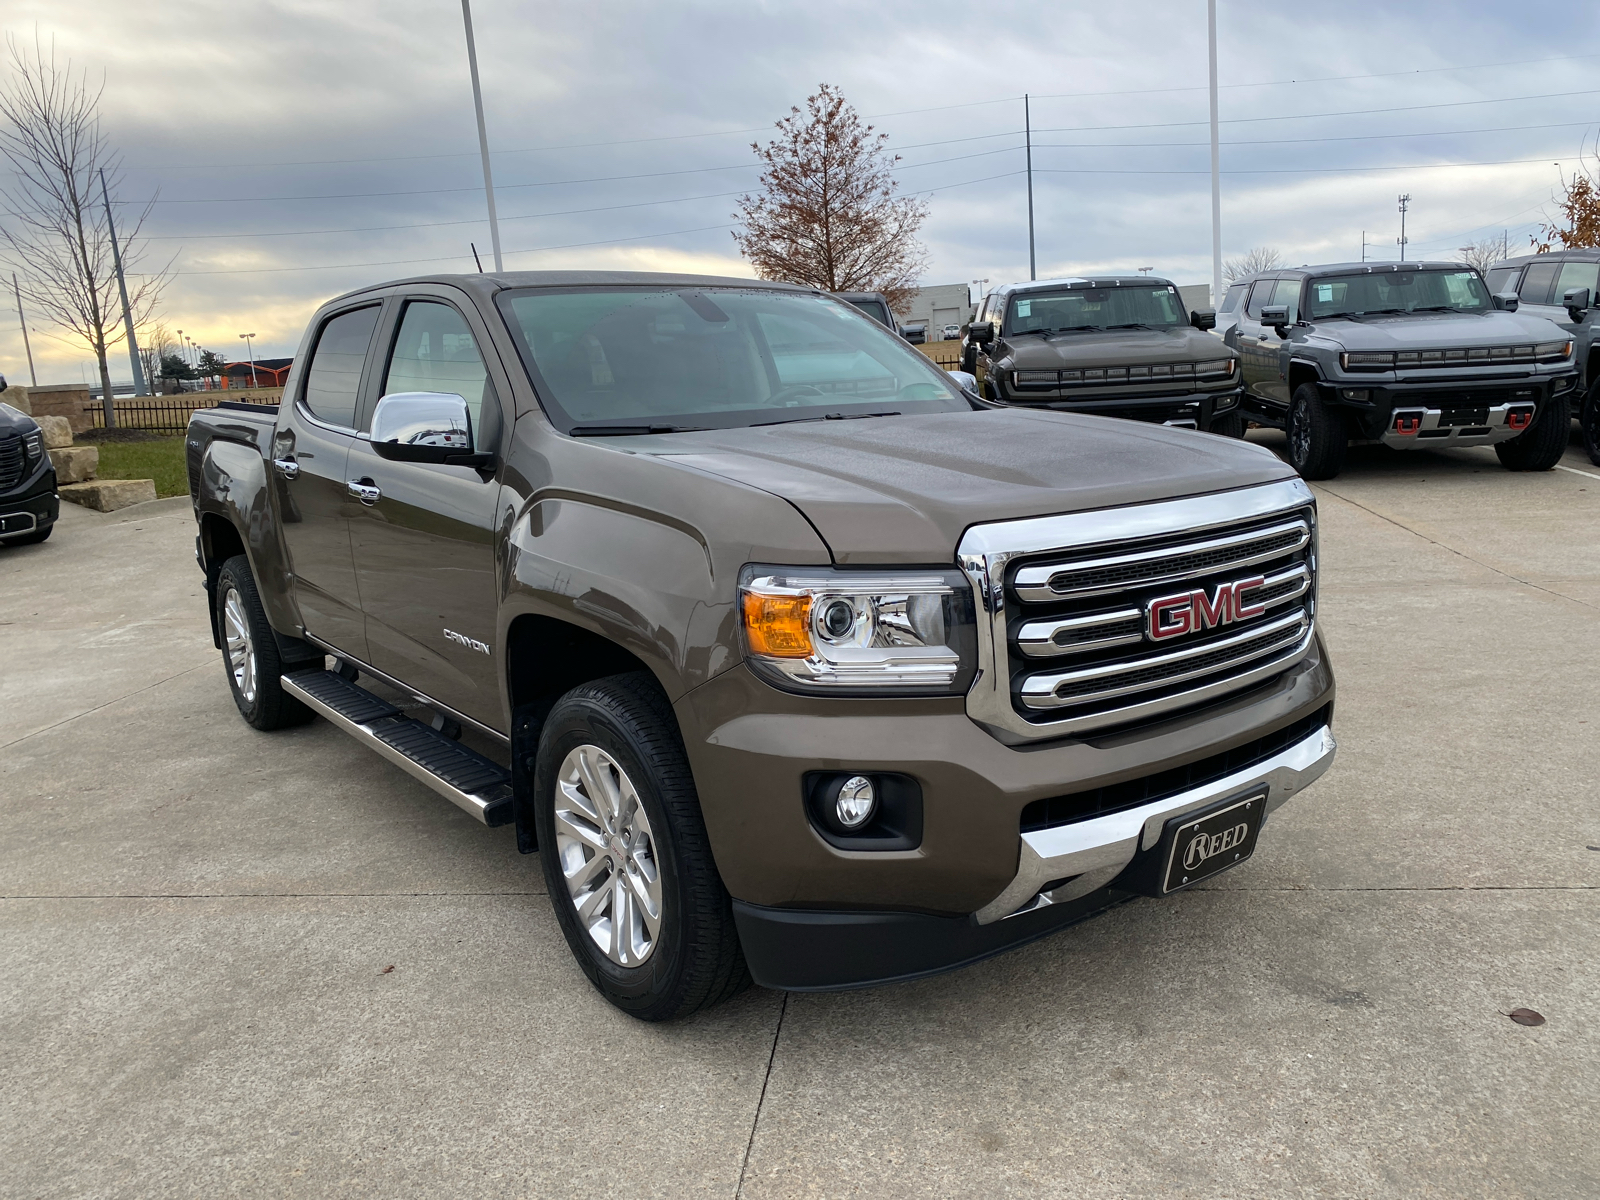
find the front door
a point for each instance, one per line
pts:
(1257, 344)
(310, 452)
(1548, 304)
(425, 547)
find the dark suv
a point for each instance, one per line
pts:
(1562, 287)
(1116, 347)
(28, 501)
(1409, 354)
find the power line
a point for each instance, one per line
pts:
(1503, 162)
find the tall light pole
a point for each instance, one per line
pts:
(23, 321)
(483, 133)
(127, 312)
(1404, 203)
(1216, 163)
(250, 347)
(1027, 132)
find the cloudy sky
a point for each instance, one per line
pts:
(300, 149)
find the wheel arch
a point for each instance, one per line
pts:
(1302, 372)
(220, 540)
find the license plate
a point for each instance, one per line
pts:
(1201, 846)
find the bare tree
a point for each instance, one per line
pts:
(828, 214)
(1483, 254)
(155, 345)
(53, 225)
(1261, 258)
(1578, 227)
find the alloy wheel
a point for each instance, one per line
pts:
(607, 853)
(241, 648)
(1299, 432)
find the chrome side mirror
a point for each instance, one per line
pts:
(965, 380)
(431, 427)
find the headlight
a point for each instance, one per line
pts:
(1035, 379)
(814, 629)
(1217, 366)
(1549, 351)
(1367, 358)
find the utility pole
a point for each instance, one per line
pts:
(1216, 163)
(250, 346)
(1027, 132)
(1404, 202)
(483, 133)
(1363, 245)
(23, 321)
(127, 312)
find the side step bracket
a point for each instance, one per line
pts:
(464, 777)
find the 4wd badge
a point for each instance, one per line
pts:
(1191, 612)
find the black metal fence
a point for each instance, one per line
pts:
(946, 354)
(168, 414)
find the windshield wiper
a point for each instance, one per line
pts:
(1443, 308)
(837, 416)
(1131, 325)
(631, 430)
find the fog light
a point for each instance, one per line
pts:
(1358, 394)
(855, 802)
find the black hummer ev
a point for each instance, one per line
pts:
(1117, 347)
(28, 501)
(1407, 354)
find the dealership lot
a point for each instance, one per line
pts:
(200, 923)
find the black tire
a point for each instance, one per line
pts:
(31, 539)
(264, 704)
(1317, 435)
(694, 960)
(1541, 445)
(1231, 425)
(1589, 424)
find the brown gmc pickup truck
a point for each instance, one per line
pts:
(798, 660)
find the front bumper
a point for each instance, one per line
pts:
(1434, 412)
(1195, 410)
(30, 506)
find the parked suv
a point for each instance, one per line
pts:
(1116, 347)
(1563, 287)
(29, 503)
(1409, 354)
(792, 658)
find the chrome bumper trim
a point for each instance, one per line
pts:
(1098, 849)
(1430, 433)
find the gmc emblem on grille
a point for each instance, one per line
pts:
(1192, 612)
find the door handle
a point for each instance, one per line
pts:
(365, 491)
(287, 467)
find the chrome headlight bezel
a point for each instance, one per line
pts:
(874, 632)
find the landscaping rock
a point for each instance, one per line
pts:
(17, 396)
(57, 431)
(108, 495)
(74, 464)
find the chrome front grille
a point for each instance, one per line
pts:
(1103, 619)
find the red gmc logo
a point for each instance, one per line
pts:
(1191, 612)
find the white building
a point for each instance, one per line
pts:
(936, 306)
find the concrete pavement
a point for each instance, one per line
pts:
(197, 923)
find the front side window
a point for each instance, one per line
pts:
(1287, 293)
(714, 358)
(1156, 306)
(877, 310)
(1575, 275)
(1396, 292)
(1260, 297)
(333, 382)
(434, 351)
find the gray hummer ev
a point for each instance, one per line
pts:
(1563, 286)
(1408, 354)
(793, 659)
(1116, 347)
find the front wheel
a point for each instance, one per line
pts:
(250, 652)
(1317, 435)
(1541, 445)
(625, 854)
(1589, 423)
(1230, 426)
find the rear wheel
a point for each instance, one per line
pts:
(250, 652)
(1541, 445)
(625, 855)
(1589, 423)
(1317, 435)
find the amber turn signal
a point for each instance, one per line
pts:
(778, 626)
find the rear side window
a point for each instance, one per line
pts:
(1502, 279)
(876, 309)
(1575, 275)
(1230, 302)
(1537, 282)
(333, 383)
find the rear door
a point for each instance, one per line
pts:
(311, 449)
(425, 549)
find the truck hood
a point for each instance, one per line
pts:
(1113, 348)
(1438, 331)
(904, 489)
(14, 420)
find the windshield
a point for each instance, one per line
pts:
(638, 360)
(1157, 306)
(1396, 291)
